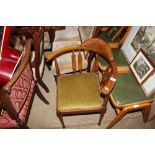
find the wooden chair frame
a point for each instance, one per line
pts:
(107, 82)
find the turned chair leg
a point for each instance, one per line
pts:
(116, 119)
(61, 120)
(146, 113)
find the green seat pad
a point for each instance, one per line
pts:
(103, 35)
(78, 92)
(128, 90)
(118, 57)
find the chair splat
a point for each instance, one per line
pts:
(73, 57)
(80, 61)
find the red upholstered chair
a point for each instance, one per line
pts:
(16, 96)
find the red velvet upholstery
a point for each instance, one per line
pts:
(21, 89)
(6, 121)
(20, 97)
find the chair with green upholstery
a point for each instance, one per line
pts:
(128, 96)
(81, 92)
(115, 38)
(104, 35)
(122, 64)
(115, 44)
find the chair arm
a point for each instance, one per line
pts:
(53, 54)
(107, 88)
(21, 67)
(114, 44)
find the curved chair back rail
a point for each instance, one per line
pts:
(21, 67)
(99, 47)
(102, 49)
(84, 90)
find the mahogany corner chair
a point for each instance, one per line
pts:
(82, 92)
(17, 95)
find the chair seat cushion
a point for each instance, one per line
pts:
(78, 92)
(127, 90)
(118, 56)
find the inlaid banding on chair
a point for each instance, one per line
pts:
(136, 106)
(112, 79)
(106, 88)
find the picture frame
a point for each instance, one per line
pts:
(128, 50)
(145, 39)
(141, 67)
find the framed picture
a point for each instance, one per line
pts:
(148, 86)
(128, 50)
(141, 67)
(145, 39)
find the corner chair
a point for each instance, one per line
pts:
(82, 92)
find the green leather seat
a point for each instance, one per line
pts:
(79, 91)
(127, 90)
(118, 57)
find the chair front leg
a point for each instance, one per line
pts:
(146, 113)
(101, 116)
(61, 119)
